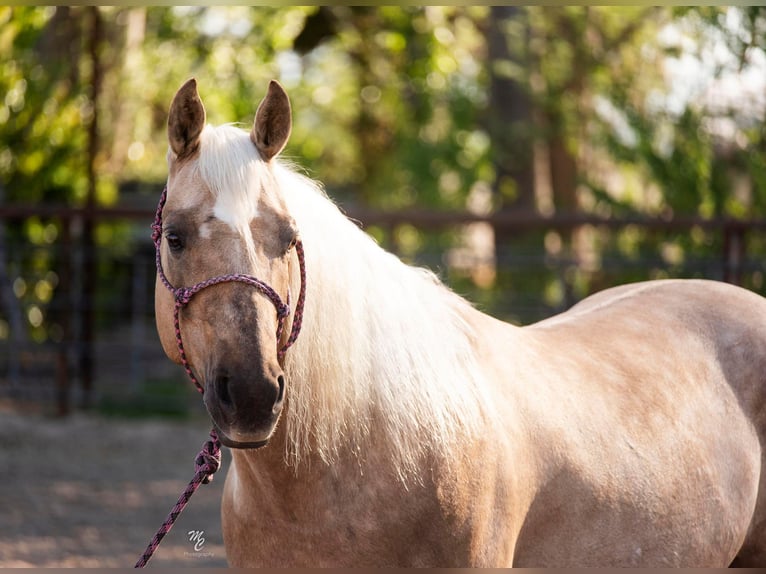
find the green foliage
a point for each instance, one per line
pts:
(41, 115)
(697, 155)
(392, 108)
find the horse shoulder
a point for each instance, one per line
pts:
(492, 481)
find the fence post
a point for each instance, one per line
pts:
(734, 251)
(9, 302)
(63, 370)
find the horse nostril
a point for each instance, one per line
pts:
(222, 389)
(281, 393)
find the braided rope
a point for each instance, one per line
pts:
(208, 460)
(298, 315)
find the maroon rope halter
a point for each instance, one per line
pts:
(208, 461)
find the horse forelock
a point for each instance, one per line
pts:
(229, 165)
(386, 352)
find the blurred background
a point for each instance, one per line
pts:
(529, 155)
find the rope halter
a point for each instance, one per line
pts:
(183, 295)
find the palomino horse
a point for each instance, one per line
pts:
(404, 427)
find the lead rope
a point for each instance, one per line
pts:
(208, 460)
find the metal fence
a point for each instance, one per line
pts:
(88, 337)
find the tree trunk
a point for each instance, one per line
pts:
(135, 30)
(510, 117)
(88, 237)
(563, 170)
(510, 121)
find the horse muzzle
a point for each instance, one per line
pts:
(244, 411)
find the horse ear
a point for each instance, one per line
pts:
(273, 122)
(186, 120)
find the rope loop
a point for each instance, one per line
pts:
(183, 295)
(208, 460)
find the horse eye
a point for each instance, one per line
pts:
(288, 236)
(175, 243)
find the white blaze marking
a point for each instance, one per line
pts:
(236, 209)
(229, 165)
(238, 212)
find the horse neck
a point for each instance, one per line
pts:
(385, 349)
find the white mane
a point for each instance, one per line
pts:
(384, 352)
(382, 343)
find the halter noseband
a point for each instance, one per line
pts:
(182, 295)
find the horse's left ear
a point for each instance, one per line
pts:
(273, 122)
(186, 120)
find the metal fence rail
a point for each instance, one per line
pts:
(105, 341)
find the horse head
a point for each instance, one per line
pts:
(226, 231)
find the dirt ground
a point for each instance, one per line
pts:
(88, 491)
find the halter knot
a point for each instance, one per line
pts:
(183, 296)
(208, 460)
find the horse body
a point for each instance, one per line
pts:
(626, 446)
(417, 431)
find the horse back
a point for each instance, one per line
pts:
(650, 412)
(673, 318)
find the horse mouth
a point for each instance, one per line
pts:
(231, 443)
